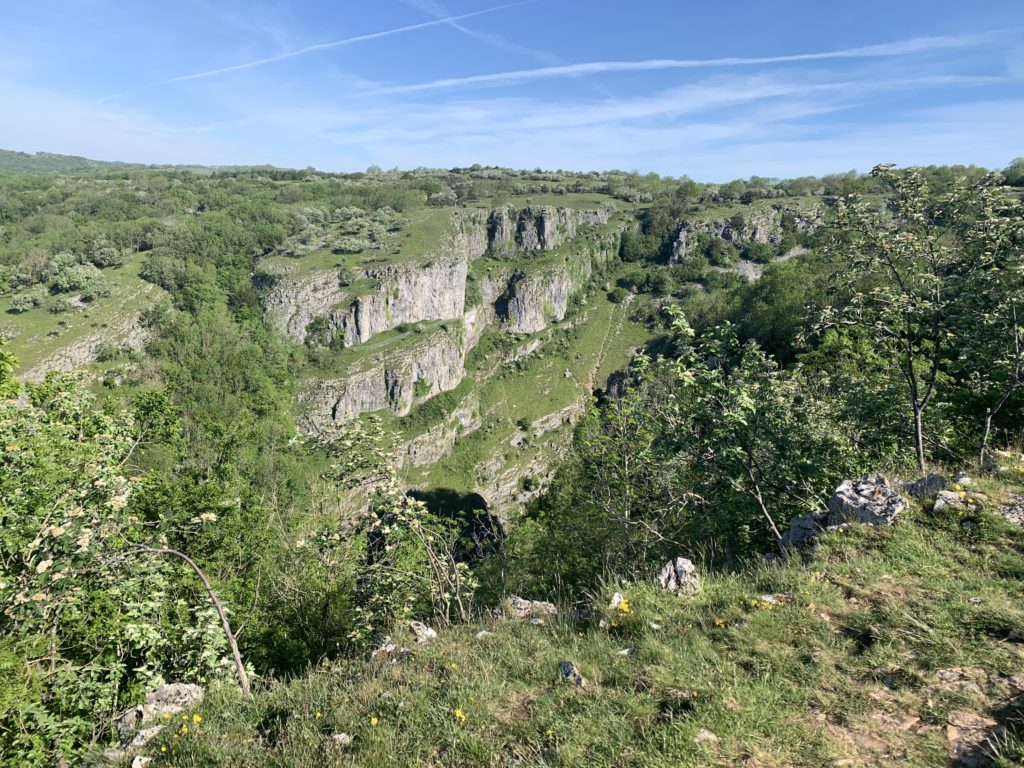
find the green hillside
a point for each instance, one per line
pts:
(254, 422)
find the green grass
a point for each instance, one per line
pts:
(37, 336)
(590, 343)
(422, 234)
(581, 200)
(866, 624)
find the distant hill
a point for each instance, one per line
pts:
(12, 162)
(47, 162)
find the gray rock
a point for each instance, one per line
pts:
(1014, 511)
(386, 648)
(483, 634)
(926, 486)
(170, 699)
(422, 632)
(870, 500)
(947, 499)
(570, 673)
(679, 576)
(802, 531)
(761, 224)
(341, 740)
(962, 478)
(521, 608)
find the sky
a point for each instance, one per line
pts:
(712, 90)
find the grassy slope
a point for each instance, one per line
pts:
(828, 678)
(536, 386)
(38, 335)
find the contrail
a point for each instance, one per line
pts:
(915, 45)
(346, 41)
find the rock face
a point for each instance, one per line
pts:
(759, 224)
(433, 291)
(679, 576)
(437, 441)
(869, 500)
(375, 300)
(394, 380)
(379, 299)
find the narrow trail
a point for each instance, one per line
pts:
(610, 333)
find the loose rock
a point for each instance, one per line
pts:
(422, 632)
(679, 576)
(524, 609)
(570, 673)
(926, 486)
(341, 740)
(869, 500)
(387, 647)
(801, 531)
(972, 738)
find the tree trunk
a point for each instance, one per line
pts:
(984, 437)
(919, 438)
(243, 677)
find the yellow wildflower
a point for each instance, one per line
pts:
(163, 749)
(167, 715)
(623, 607)
(550, 731)
(319, 715)
(373, 722)
(197, 719)
(453, 665)
(460, 715)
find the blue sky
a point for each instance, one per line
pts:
(715, 90)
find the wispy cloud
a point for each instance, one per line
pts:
(438, 11)
(339, 43)
(899, 48)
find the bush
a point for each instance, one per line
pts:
(27, 300)
(618, 295)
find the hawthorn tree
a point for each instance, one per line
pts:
(916, 269)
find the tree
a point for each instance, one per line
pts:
(913, 268)
(88, 617)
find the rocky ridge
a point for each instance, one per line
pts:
(521, 299)
(761, 224)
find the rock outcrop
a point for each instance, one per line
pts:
(378, 300)
(393, 379)
(760, 224)
(679, 576)
(869, 500)
(437, 442)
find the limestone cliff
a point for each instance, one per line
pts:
(433, 287)
(520, 295)
(377, 300)
(394, 378)
(762, 224)
(436, 442)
